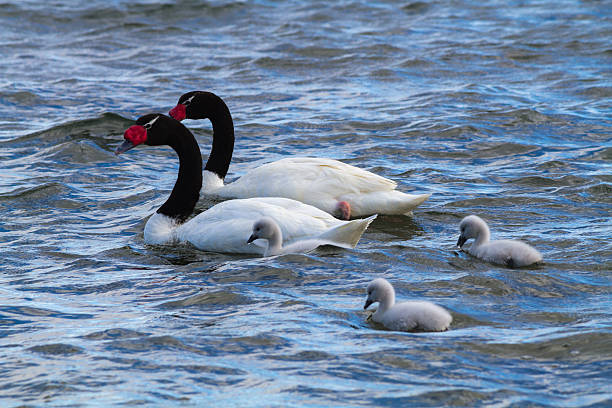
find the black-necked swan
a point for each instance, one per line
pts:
(330, 185)
(405, 316)
(226, 226)
(506, 252)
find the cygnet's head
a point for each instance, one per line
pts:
(264, 228)
(378, 290)
(470, 227)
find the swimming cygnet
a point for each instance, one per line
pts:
(405, 316)
(507, 252)
(344, 236)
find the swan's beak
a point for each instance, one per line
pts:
(179, 112)
(367, 304)
(461, 241)
(252, 238)
(124, 147)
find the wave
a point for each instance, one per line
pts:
(106, 128)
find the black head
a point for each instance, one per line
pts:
(153, 129)
(196, 105)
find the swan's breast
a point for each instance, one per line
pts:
(160, 230)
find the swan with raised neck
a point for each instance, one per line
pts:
(156, 129)
(330, 185)
(224, 227)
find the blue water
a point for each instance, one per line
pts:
(496, 108)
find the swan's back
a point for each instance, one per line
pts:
(507, 252)
(316, 181)
(416, 315)
(328, 175)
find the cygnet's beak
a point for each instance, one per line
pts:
(252, 238)
(367, 304)
(461, 241)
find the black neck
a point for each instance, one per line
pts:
(223, 136)
(186, 191)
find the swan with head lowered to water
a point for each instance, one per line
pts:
(404, 316)
(226, 226)
(506, 252)
(330, 185)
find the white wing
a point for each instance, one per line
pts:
(316, 181)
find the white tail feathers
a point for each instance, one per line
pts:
(384, 202)
(347, 235)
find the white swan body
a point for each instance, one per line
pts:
(322, 183)
(330, 185)
(405, 316)
(506, 252)
(227, 226)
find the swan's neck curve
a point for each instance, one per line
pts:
(223, 136)
(386, 301)
(484, 234)
(186, 191)
(275, 242)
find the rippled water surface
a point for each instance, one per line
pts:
(496, 108)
